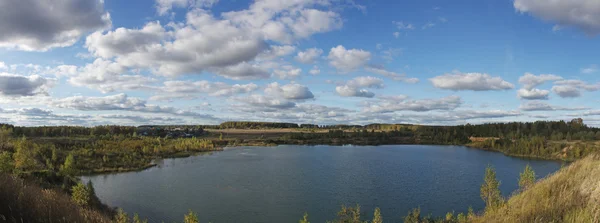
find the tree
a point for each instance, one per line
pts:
(377, 216)
(221, 136)
(137, 219)
(68, 168)
(304, 218)
(25, 155)
(121, 216)
(413, 216)
(81, 194)
(490, 190)
(527, 178)
(191, 217)
(6, 162)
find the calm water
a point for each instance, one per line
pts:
(278, 184)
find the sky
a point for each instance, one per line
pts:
(433, 62)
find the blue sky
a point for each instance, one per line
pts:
(92, 62)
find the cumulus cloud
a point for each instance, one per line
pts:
(276, 51)
(121, 102)
(190, 90)
(348, 60)
(393, 75)
(309, 56)
(402, 103)
(314, 71)
(263, 102)
(588, 70)
(533, 94)
(289, 91)
(243, 71)
(287, 72)
(529, 80)
(122, 41)
(573, 88)
(355, 87)
(566, 91)
(14, 85)
(582, 14)
(543, 106)
(36, 25)
(107, 76)
(470, 81)
(164, 6)
(402, 25)
(347, 91)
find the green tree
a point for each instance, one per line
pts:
(6, 162)
(377, 216)
(304, 218)
(24, 155)
(413, 216)
(81, 194)
(490, 189)
(121, 216)
(137, 219)
(527, 178)
(221, 136)
(191, 217)
(68, 168)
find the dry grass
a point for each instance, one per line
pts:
(572, 195)
(26, 202)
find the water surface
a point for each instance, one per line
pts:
(278, 184)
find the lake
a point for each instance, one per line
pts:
(279, 184)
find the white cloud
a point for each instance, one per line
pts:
(289, 91)
(266, 103)
(582, 14)
(191, 90)
(107, 76)
(402, 26)
(566, 91)
(533, 94)
(243, 71)
(470, 81)
(123, 41)
(401, 103)
(396, 34)
(3, 66)
(287, 72)
(529, 80)
(355, 87)
(164, 6)
(309, 56)
(393, 75)
(428, 25)
(121, 102)
(573, 88)
(277, 51)
(588, 70)
(347, 91)
(35, 25)
(348, 60)
(314, 71)
(543, 106)
(14, 85)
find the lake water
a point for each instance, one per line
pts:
(279, 184)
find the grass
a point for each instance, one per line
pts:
(571, 195)
(27, 202)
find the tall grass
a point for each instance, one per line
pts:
(22, 201)
(571, 195)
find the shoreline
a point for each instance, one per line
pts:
(222, 148)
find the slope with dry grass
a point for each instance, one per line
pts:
(570, 195)
(22, 201)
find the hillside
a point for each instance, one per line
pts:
(570, 195)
